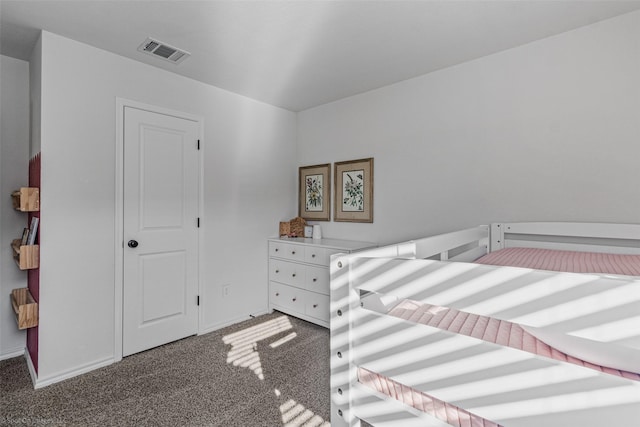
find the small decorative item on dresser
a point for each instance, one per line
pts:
(293, 228)
(308, 231)
(285, 228)
(317, 232)
(297, 227)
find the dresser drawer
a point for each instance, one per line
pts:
(286, 251)
(319, 256)
(294, 300)
(287, 297)
(317, 306)
(317, 279)
(286, 272)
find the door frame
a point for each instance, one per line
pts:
(121, 104)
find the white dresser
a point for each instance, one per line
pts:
(299, 275)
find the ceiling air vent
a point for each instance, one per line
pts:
(163, 50)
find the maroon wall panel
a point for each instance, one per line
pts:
(34, 275)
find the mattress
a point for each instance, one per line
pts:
(567, 261)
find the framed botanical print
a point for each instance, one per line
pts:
(314, 201)
(353, 191)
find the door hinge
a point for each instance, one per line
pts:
(198, 300)
(198, 144)
(198, 222)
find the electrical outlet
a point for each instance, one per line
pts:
(226, 290)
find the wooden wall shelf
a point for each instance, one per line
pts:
(27, 199)
(27, 257)
(25, 308)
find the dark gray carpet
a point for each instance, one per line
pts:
(231, 377)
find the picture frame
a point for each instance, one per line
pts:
(314, 200)
(353, 191)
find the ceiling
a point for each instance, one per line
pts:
(300, 54)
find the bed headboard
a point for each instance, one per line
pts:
(573, 236)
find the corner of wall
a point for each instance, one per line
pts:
(35, 96)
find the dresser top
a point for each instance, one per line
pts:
(351, 245)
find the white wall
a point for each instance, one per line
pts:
(546, 131)
(14, 173)
(249, 187)
(35, 97)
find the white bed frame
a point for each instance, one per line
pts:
(602, 311)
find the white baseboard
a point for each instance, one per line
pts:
(13, 353)
(52, 379)
(233, 321)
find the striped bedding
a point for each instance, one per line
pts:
(421, 401)
(482, 327)
(486, 328)
(567, 261)
(498, 331)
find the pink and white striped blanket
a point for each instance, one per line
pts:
(567, 261)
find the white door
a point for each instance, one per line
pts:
(160, 209)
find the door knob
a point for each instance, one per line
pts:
(132, 244)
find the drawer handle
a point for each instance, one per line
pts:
(293, 252)
(294, 299)
(293, 275)
(314, 279)
(277, 249)
(315, 305)
(277, 271)
(313, 255)
(277, 294)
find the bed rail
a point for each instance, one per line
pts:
(464, 245)
(573, 236)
